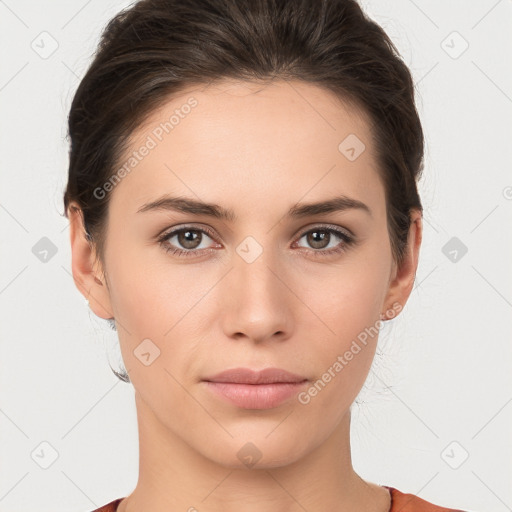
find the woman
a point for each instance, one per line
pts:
(243, 208)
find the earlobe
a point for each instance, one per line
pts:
(402, 281)
(88, 279)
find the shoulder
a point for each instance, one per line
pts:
(405, 502)
(400, 502)
(109, 507)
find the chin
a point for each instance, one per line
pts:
(261, 449)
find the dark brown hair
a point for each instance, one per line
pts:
(156, 48)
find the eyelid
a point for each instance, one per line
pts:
(167, 232)
(164, 235)
(345, 234)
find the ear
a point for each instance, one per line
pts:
(402, 278)
(87, 272)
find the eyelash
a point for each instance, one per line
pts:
(348, 240)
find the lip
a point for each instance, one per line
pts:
(255, 389)
(249, 376)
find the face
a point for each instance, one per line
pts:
(271, 284)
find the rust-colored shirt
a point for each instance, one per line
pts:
(400, 502)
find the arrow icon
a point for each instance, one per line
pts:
(454, 249)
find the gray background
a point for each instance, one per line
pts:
(437, 413)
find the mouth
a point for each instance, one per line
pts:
(253, 389)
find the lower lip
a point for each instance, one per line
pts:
(256, 396)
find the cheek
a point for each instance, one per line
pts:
(343, 359)
(155, 305)
(349, 353)
(349, 302)
(351, 298)
(158, 301)
(151, 295)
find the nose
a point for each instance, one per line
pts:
(257, 303)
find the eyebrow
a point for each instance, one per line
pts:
(299, 210)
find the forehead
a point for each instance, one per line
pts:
(252, 140)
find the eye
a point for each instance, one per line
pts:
(191, 241)
(322, 240)
(188, 241)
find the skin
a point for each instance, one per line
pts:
(256, 149)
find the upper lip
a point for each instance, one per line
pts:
(249, 376)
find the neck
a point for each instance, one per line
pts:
(174, 476)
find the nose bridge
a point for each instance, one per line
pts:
(254, 270)
(258, 305)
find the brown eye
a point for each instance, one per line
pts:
(186, 241)
(318, 239)
(190, 238)
(326, 240)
